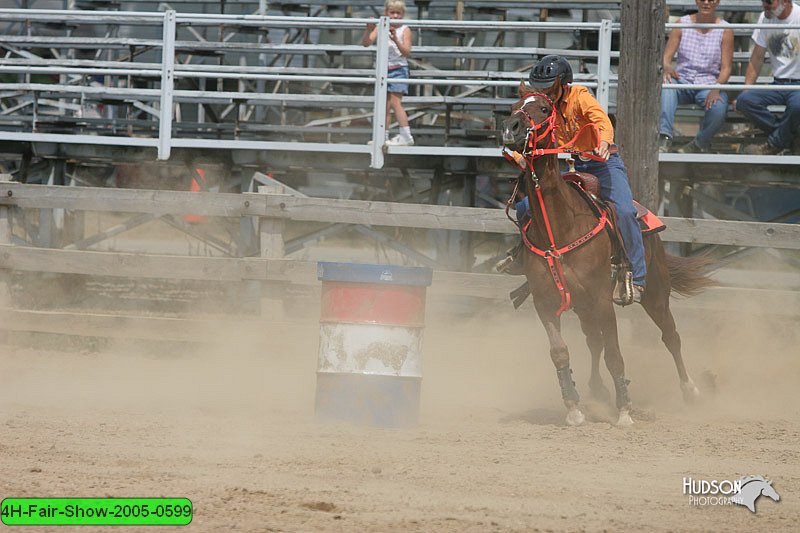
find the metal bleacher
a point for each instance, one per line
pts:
(261, 83)
(255, 76)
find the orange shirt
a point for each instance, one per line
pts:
(579, 108)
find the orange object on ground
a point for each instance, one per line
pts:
(197, 187)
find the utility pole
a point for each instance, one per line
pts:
(639, 94)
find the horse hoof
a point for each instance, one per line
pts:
(625, 419)
(575, 417)
(691, 394)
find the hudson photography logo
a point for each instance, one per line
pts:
(744, 491)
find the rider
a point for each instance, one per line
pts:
(576, 107)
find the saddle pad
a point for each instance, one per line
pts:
(648, 221)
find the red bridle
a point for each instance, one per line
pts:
(549, 127)
(525, 161)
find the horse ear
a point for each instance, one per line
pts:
(524, 89)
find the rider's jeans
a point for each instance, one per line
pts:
(753, 104)
(523, 209)
(614, 187)
(713, 119)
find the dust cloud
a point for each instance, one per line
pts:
(228, 422)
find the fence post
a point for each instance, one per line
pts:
(261, 85)
(639, 94)
(167, 85)
(379, 109)
(271, 245)
(604, 63)
(5, 238)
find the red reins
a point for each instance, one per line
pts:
(525, 161)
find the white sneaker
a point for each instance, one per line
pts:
(398, 140)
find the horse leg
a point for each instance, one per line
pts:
(614, 362)
(594, 340)
(658, 310)
(560, 356)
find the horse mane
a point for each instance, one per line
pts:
(748, 479)
(690, 275)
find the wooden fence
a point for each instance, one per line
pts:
(273, 211)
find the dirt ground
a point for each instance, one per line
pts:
(231, 427)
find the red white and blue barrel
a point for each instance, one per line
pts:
(370, 343)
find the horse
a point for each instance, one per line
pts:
(752, 488)
(570, 263)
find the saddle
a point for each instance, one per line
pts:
(588, 184)
(589, 188)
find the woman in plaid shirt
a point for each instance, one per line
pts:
(705, 56)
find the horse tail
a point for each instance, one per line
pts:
(689, 275)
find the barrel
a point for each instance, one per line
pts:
(370, 343)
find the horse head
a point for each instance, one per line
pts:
(768, 491)
(531, 124)
(752, 488)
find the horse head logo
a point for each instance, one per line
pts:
(752, 488)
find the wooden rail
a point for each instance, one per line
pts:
(778, 304)
(750, 234)
(271, 269)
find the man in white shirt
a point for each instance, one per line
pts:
(784, 57)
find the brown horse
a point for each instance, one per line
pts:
(579, 274)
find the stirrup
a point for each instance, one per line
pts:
(623, 290)
(504, 264)
(511, 264)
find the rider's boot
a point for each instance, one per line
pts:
(638, 293)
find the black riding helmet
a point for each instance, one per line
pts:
(548, 70)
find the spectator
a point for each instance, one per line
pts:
(784, 57)
(399, 51)
(705, 56)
